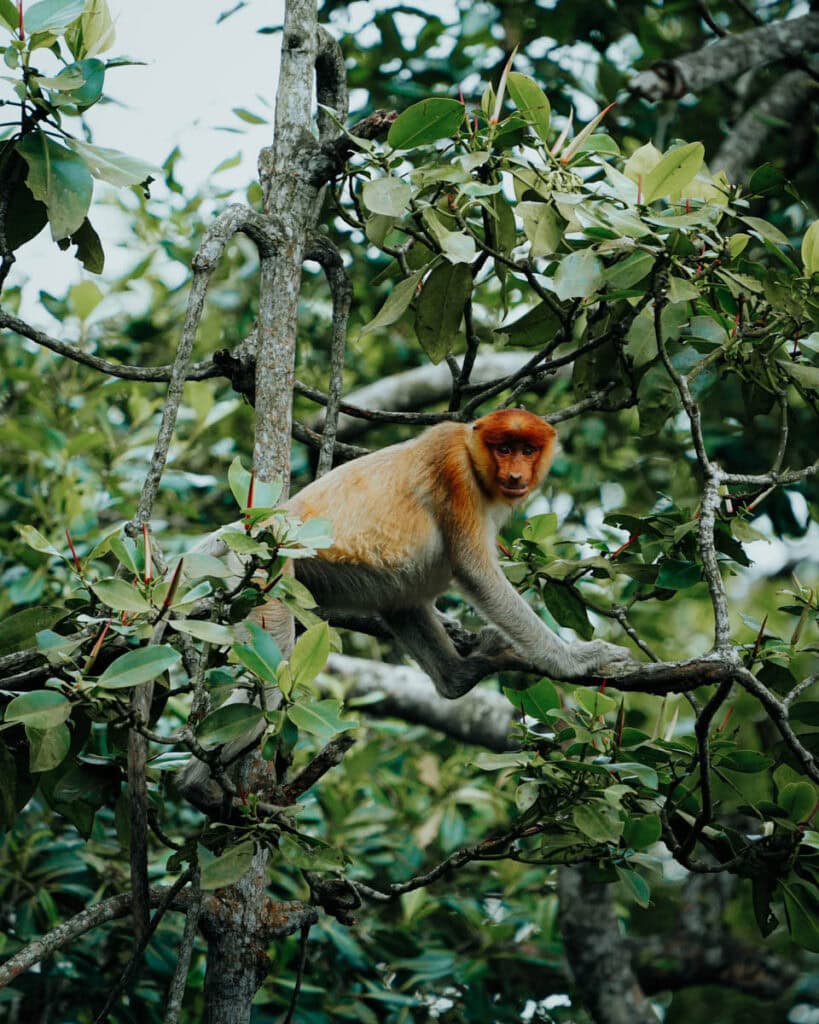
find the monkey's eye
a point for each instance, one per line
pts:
(529, 450)
(504, 449)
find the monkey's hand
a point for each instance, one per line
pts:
(600, 658)
(492, 643)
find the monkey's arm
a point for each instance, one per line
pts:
(481, 578)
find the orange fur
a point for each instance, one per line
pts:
(409, 519)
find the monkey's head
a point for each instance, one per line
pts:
(511, 450)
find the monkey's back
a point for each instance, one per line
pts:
(387, 523)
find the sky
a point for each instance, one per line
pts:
(196, 72)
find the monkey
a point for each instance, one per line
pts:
(413, 517)
(407, 521)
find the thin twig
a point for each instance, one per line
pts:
(324, 252)
(179, 981)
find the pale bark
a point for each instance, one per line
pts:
(744, 144)
(727, 58)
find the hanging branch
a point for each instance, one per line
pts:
(267, 233)
(324, 252)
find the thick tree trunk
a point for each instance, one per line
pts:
(595, 949)
(241, 922)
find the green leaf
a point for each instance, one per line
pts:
(94, 32)
(88, 90)
(243, 543)
(806, 711)
(539, 528)
(567, 608)
(543, 226)
(579, 275)
(642, 772)
(534, 328)
(629, 271)
(36, 540)
(239, 482)
(217, 872)
(749, 761)
(89, 247)
(397, 302)
(426, 122)
(48, 748)
(802, 909)
(252, 660)
(766, 230)
(315, 533)
(18, 631)
(636, 884)
(41, 709)
(536, 701)
(125, 551)
(798, 800)
(228, 723)
(599, 823)
(138, 667)
(801, 373)
(211, 632)
(674, 171)
(111, 165)
(52, 15)
(657, 399)
(526, 796)
(387, 196)
(8, 14)
(264, 645)
(641, 832)
(677, 575)
(310, 653)
(680, 290)
(531, 102)
(198, 565)
(83, 298)
(500, 762)
(440, 308)
(121, 596)
(58, 178)
(248, 116)
(320, 718)
(594, 702)
(26, 216)
(456, 246)
(810, 248)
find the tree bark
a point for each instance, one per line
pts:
(241, 922)
(596, 952)
(727, 58)
(745, 141)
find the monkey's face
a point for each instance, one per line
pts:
(516, 467)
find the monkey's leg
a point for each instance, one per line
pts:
(421, 633)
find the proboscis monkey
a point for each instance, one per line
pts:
(411, 518)
(406, 522)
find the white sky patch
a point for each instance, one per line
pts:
(197, 71)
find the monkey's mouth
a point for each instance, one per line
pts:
(514, 491)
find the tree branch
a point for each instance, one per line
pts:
(743, 144)
(48, 944)
(727, 58)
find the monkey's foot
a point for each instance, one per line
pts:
(600, 658)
